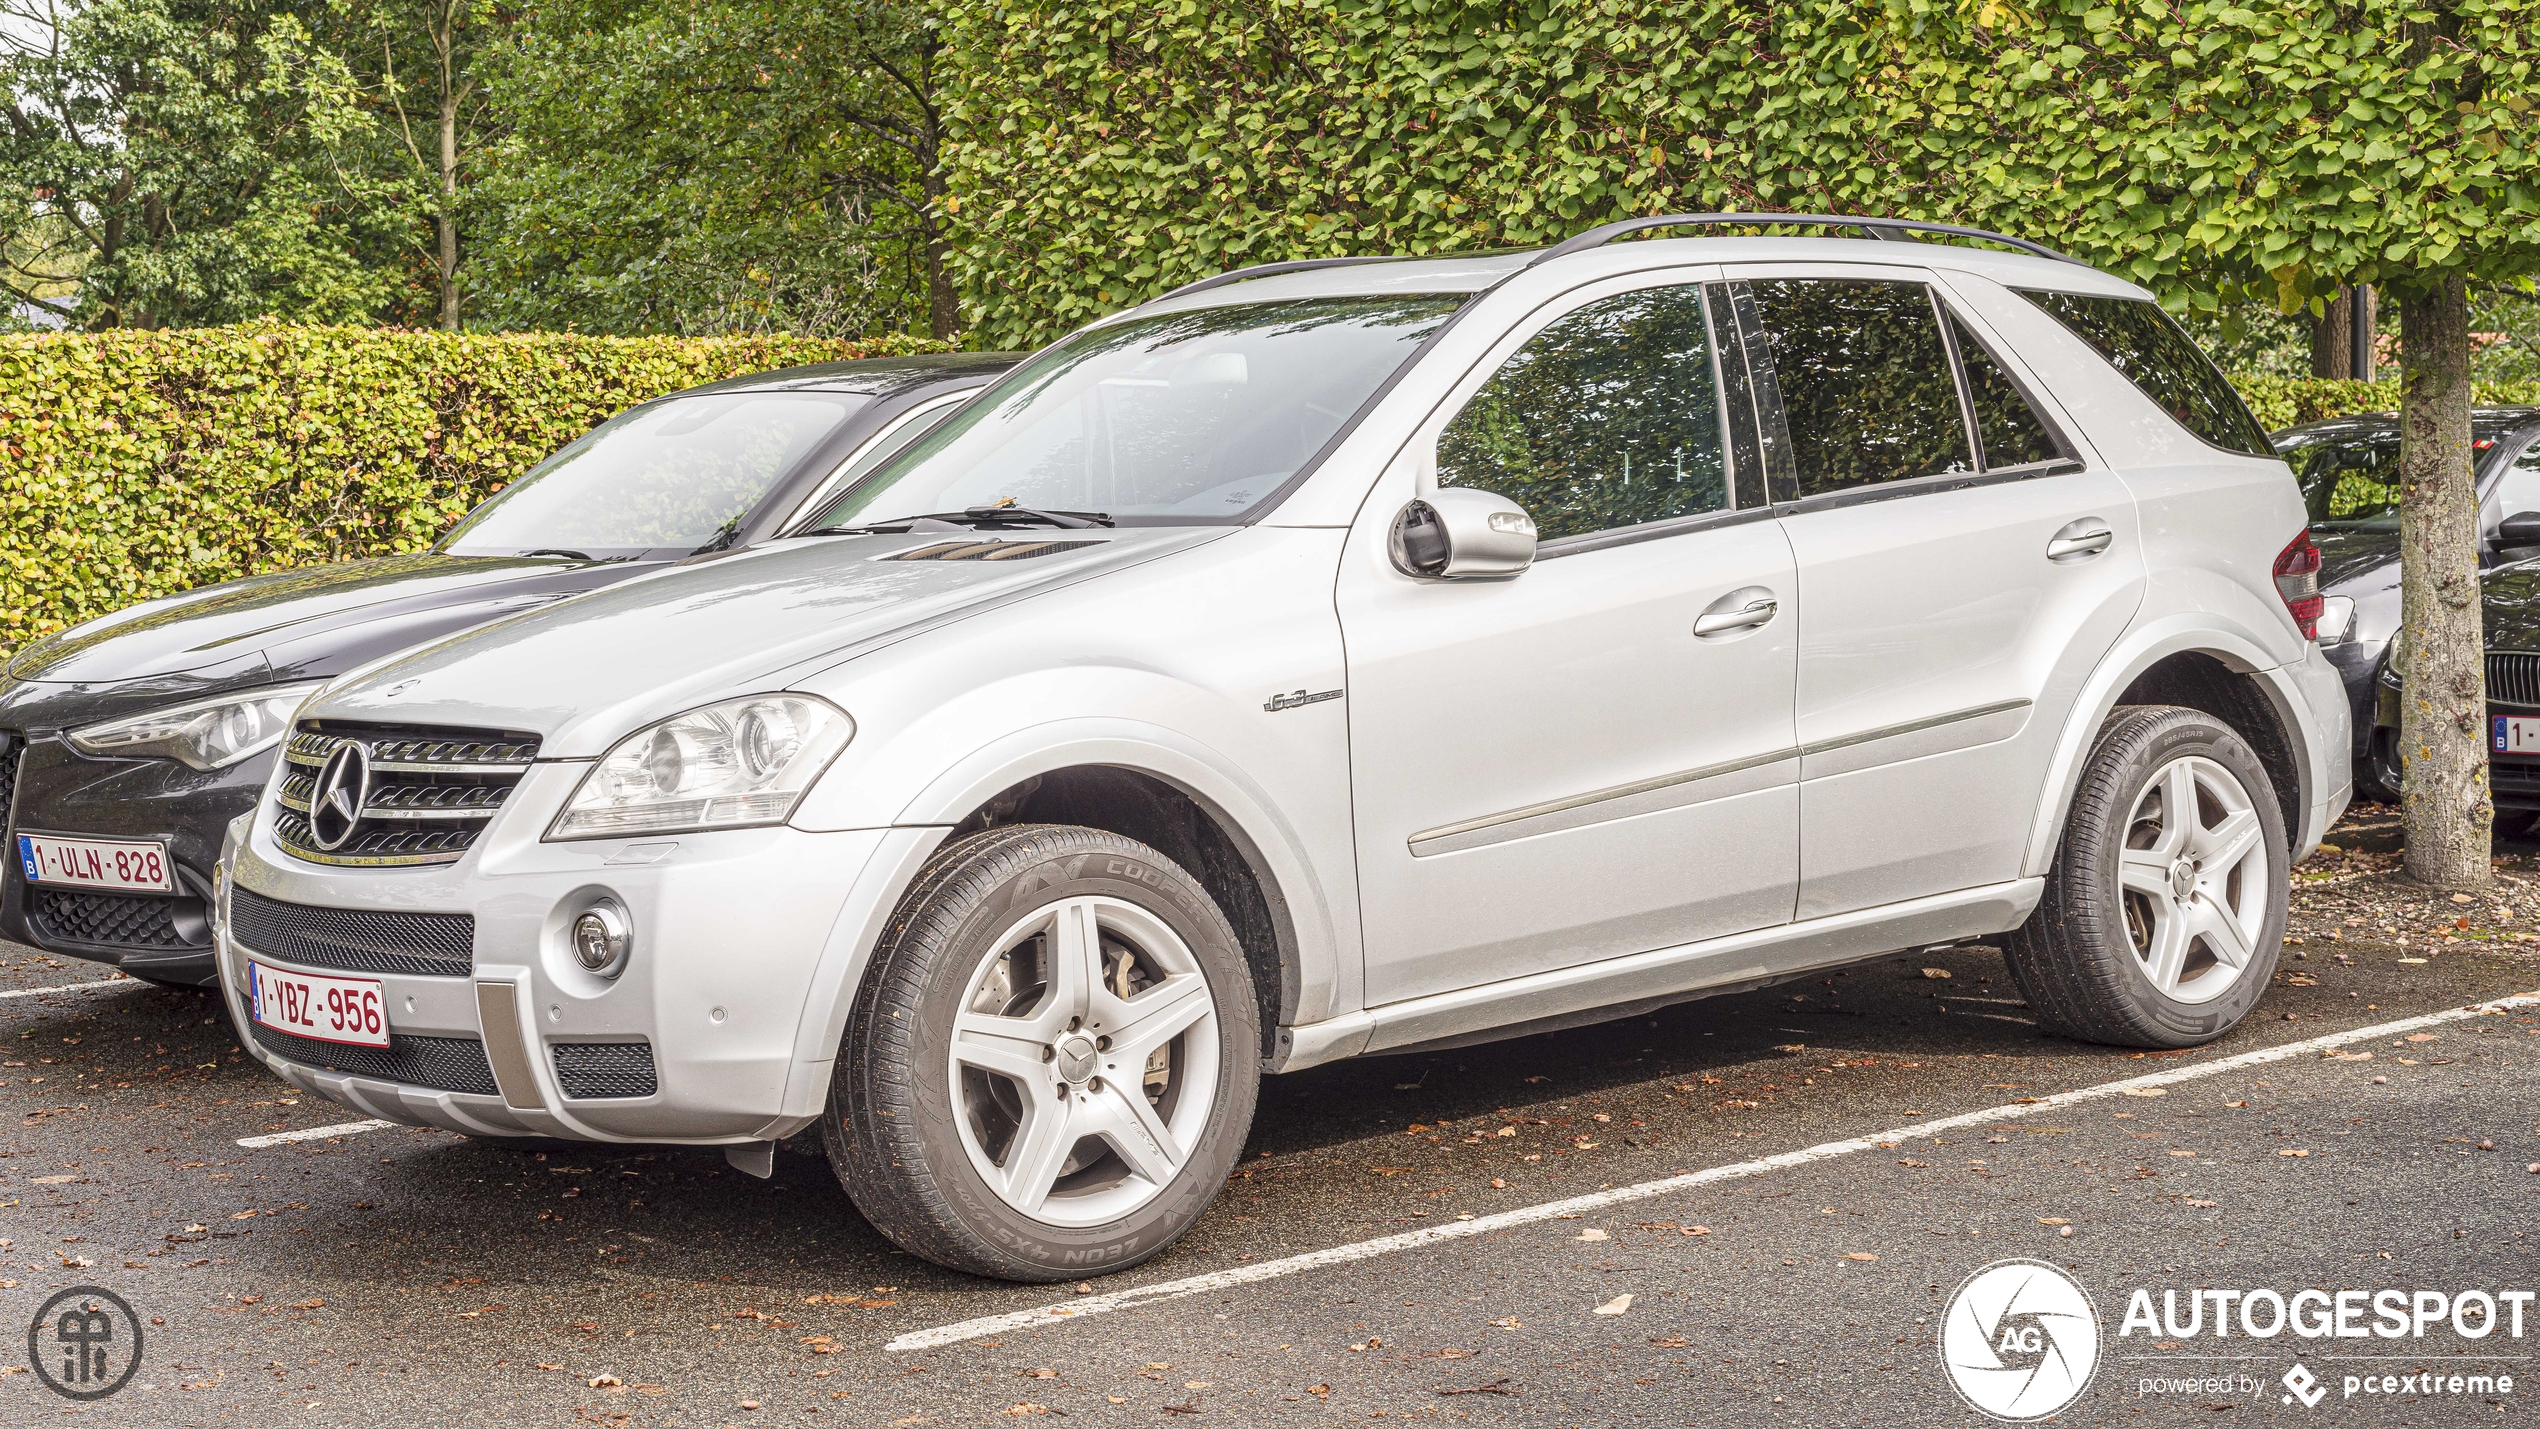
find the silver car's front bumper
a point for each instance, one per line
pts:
(745, 941)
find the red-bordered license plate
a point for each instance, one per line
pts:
(330, 1009)
(2517, 734)
(96, 863)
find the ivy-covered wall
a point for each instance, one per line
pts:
(139, 464)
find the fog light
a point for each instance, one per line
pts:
(602, 937)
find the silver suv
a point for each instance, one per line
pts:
(1326, 659)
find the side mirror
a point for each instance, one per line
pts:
(2518, 531)
(1460, 534)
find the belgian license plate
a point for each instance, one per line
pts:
(330, 1009)
(2517, 734)
(96, 863)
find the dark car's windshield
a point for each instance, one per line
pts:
(667, 477)
(2350, 480)
(1197, 416)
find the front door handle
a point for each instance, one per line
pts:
(1738, 610)
(2080, 540)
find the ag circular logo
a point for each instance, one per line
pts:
(85, 1343)
(2019, 1340)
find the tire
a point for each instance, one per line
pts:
(1013, 1149)
(2113, 952)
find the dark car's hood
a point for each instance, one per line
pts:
(299, 621)
(2513, 607)
(2368, 558)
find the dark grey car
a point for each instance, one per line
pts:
(2349, 471)
(127, 744)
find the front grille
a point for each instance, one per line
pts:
(113, 920)
(987, 550)
(367, 940)
(604, 1069)
(2513, 678)
(12, 747)
(444, 1064)
(427, 793)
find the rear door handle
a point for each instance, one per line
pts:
(1738, 610)
(2080, 540)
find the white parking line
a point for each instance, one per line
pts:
(1081, 1307)
(70, 987)
(314, 1133)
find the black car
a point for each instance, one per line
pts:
(2349, 472)
(129, 743)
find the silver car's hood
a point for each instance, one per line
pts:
(585, 673)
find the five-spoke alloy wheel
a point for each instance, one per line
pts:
(2165, 907)
(1051, 1065)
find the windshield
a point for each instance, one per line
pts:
(2350, 482)
(666, 477)
(1179, 418)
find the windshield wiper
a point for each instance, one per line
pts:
(557, 551)
(977, 516)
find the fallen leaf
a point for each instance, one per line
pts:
(603, 1381)
(1858, 1255)
(2053, 1221)
(2288, 1151)
(2147, 1091)
(1669, 1342)
(1940, 973)
(1591, 1233)
(1615, 1306)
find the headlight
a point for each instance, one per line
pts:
(726, 766)
(206, 734)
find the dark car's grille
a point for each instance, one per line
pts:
(605, 1069)
(428, 792)
(114, 920)
(12, 746)
(2513, 678)
(365, 940)
(446, 1064)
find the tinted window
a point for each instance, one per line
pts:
(668, 476)
(1199, 416)
(1866, 389)
(2139, 340)
(1609, 417)
(2007, 427)
(2517, 491)
(2349, 482)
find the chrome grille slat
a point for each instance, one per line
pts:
(2513, 677)
(447, 786)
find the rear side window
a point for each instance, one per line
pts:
(2165, 364)
(1866, 387)
(2350, 482)
(1607, 418)
(2007, 427)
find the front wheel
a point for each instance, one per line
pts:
(1051, 1067)
(2164, 911)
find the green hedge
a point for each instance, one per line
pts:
(2282, 401)
(140, 464)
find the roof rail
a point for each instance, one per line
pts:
(1265, 270)
(1888, 228)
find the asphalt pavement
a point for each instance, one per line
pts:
(414, 1277)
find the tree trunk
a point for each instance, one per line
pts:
(943, 306)
(445, 224)
(2443, 695)
(2330, 354)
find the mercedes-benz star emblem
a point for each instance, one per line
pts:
(343, 787)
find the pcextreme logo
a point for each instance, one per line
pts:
(2019, 1340)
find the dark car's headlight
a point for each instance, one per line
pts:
(727, 766)
(209, 733)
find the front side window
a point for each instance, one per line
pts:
(1610, 417)
(2163, 363)
(667, 477)
(2349, 480)
(1867, 392)
(1199, 416)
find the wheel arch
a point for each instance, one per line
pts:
(2220, 672)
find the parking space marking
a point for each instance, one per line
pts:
(69, 987)
(1131, 1299)
(314, 1133)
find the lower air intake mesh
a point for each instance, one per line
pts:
(446, 1064)
(604, 1069)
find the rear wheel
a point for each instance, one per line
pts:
(2164, 913)
(1052, 1065)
